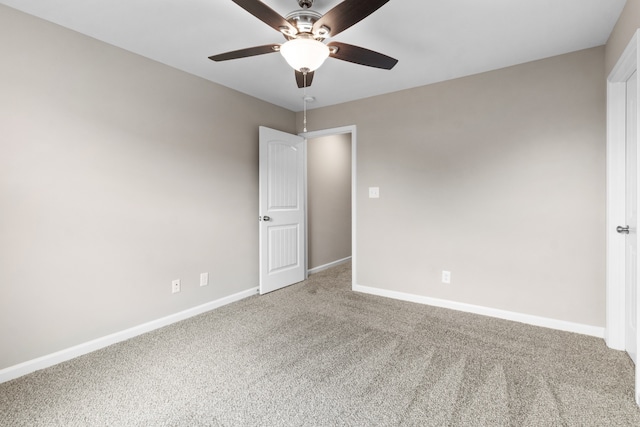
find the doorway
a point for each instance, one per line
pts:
(622, 165)
(327, 244)
(283, 230)
(328, 201)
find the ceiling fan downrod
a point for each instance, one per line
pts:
(305, 4)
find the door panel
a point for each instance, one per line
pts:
(282, 209)
(283, 247)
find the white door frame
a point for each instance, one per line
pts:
(616, 135)
(338, 131)
(616, 215)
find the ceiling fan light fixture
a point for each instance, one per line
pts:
(303, 52)
(323, 32)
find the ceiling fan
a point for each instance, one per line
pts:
(305, 31)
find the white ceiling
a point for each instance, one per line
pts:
(434, 40)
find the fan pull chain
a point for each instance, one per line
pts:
(304, 100)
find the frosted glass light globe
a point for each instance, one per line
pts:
(303, 53)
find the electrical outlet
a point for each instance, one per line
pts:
(204, 279)
(446, 276)
(374, 192)
(175, 286)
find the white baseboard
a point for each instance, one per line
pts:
(27, 367)
(43, 362)
(487, 311)
(329, 265)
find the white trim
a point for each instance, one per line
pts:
(487, 311)
(615, 336)
(43, 362)
(320, 268)
(338, 131)
(627, 63)
(616, 133)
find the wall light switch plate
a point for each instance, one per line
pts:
(374, 192)
(204, 279)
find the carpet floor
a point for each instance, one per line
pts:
(318, 354)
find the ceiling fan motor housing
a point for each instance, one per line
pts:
(303, 20)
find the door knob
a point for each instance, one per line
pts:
(266, 218)
(622, 230)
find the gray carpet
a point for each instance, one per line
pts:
(318, 354)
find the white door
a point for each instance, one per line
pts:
(631, 200)
(282, 209)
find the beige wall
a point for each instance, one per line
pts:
(625, 28)
(497, 177)
(329, 199)
(117, 175)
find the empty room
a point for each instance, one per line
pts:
(319, 213)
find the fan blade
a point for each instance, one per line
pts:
(244, 53)
(362, 56)
(267, 15)
(346, 14)
(300, 79)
